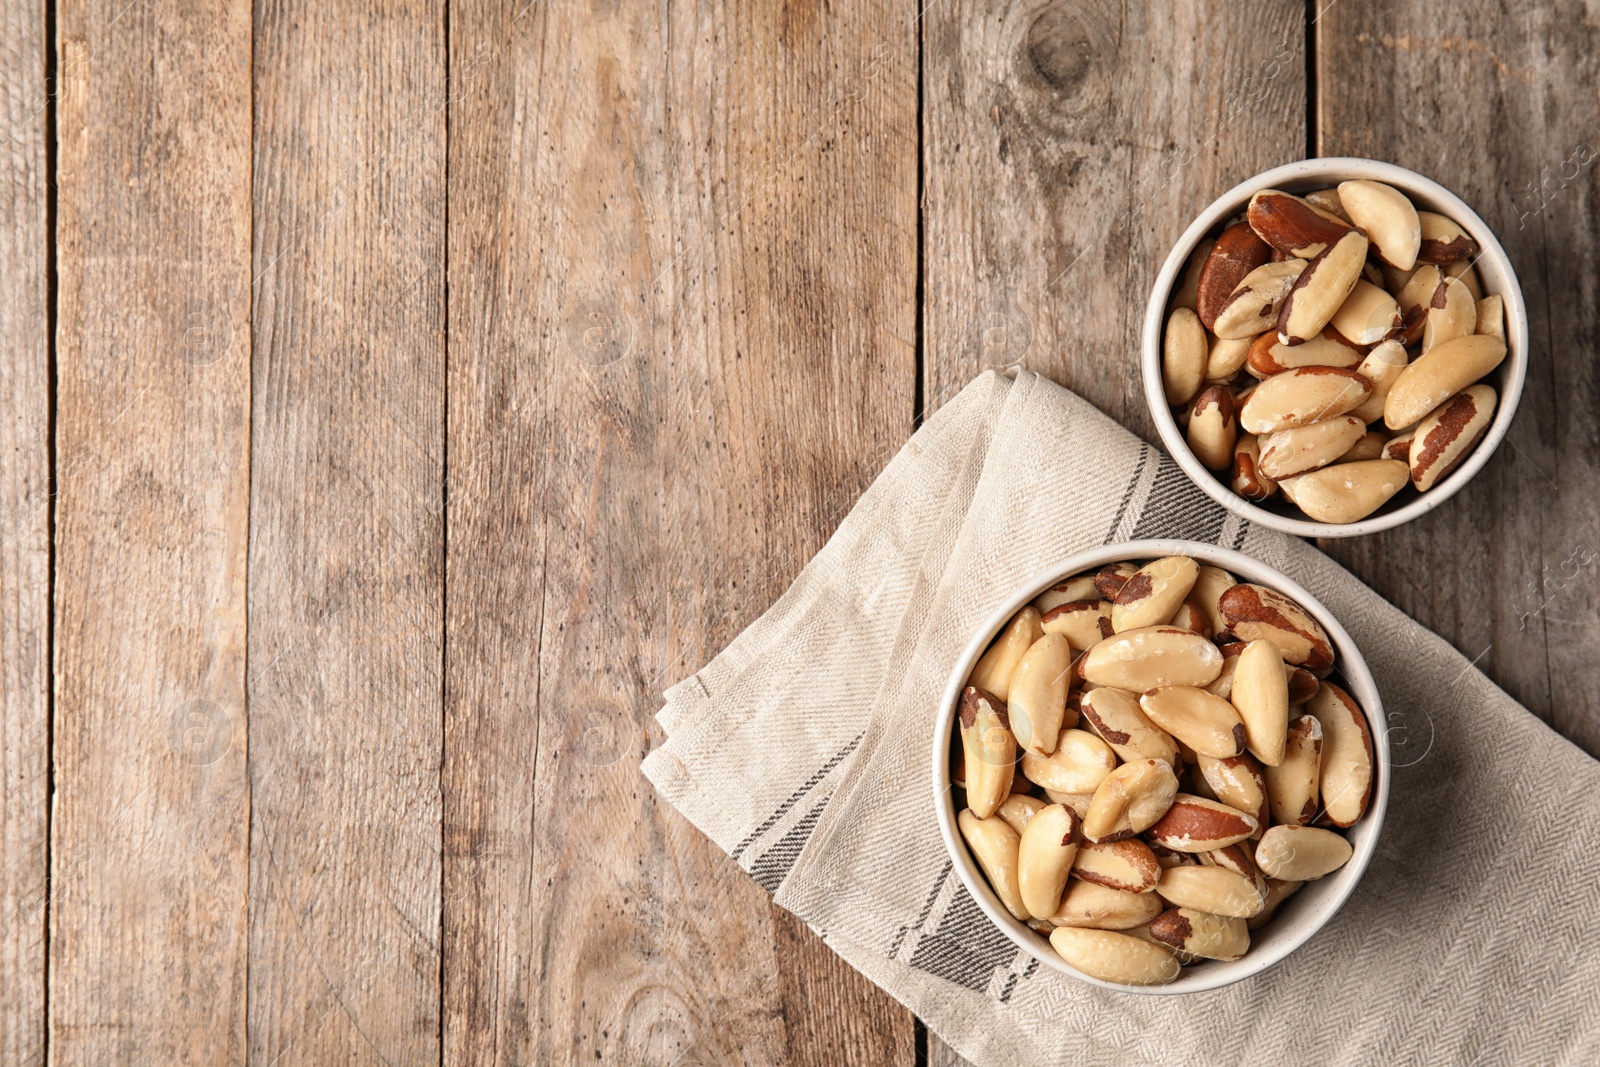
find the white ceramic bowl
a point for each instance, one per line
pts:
(1303, 914)
(1494, 270)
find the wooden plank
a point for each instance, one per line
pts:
(942, 1055)
(682, 342)
(1496, 102)
(347, 536)
(24, 533)
(1066, 147)
(150, 832)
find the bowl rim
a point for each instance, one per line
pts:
(1333, 169)
(1358, 679)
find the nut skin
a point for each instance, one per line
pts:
(1303, 685)
(1239, 782)
(1447, 435)
(1347, 761)
(1468, 275)
(1213, 428)
(1187, 295)
(1082, 622)
(1248, 481)
(1236, 253)
(1126, 865)
(1209, 585)
(1254, 305)
(1168, 858)
(1117, 718)
(1452, 313)
(1078, 587)
(994, 670)
(1254, 611)
(1415, 298)
(1439, 374)
(1191, 616)
(1240, 859)
(1442, 240)
(1078, 802)
(1109, 578)
(1198, 933)
(1195, 824)
(1399, 447)
(1293, 226)
(1153, 593)
(1268, 356)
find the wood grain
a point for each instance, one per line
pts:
(24, 534)
(1067, 145)
(150, 828)
(1498, 105)
(940, 1054)
(682, 325)
(347, 535)
(680, 339)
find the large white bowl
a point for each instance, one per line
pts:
(1494, 270)
(1303, 914)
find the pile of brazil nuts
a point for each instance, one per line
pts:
(1331, 347)
(1151, 761)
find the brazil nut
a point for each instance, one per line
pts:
(1142, 659)
(1115, 957)
(1293, 785)
(1206, 723)
(1045, 853)
(1255, 612)
(988, 749)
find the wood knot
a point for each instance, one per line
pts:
(1060, 49)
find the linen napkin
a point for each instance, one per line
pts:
(803, 751)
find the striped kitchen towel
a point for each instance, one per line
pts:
(803, 751)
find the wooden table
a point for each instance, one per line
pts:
(392, 404)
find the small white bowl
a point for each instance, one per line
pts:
(1494, 270)
(1303, 914)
